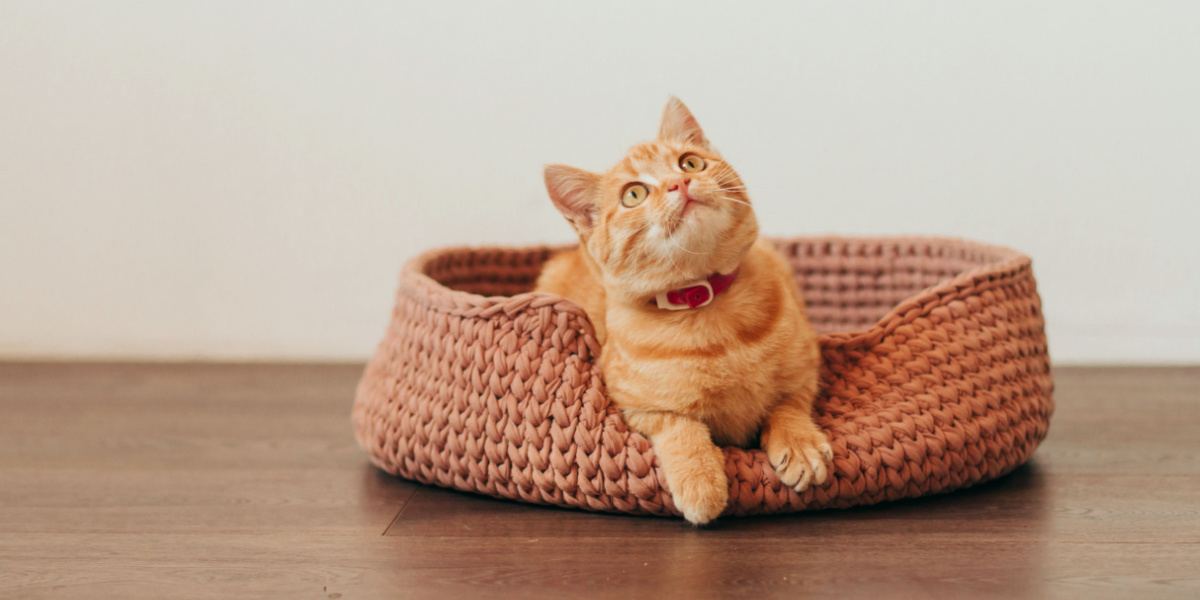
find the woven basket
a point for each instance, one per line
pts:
(935, 377)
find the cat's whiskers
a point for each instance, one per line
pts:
(732, 199)
(728, 191)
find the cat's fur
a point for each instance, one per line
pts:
(694, 379)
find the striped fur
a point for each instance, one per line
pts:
(740, 370)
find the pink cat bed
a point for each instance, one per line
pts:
(936, 377)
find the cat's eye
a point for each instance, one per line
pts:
(634, 195)
(690, 163)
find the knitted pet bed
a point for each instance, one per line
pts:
(935, 377)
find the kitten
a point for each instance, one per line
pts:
(704, 333)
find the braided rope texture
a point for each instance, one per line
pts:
(936, 376)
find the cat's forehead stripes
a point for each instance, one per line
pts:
(649, 151)
(653, 174)
(648, 160)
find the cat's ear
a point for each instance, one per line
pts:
(679, 124)
(574, 194)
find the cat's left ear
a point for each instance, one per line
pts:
(574, 194)
(679, 124)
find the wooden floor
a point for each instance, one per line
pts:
(226, 481)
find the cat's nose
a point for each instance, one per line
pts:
(683, 182)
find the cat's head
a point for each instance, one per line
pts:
(672, 211)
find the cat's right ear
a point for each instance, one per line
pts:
(574, 193)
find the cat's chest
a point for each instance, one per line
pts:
(728, 392)
(733, 408)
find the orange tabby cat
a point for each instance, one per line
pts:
(705, 340)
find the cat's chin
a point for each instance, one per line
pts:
(694, 223)
(695, 209)
(703, 230)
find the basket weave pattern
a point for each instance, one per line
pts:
(935, 377)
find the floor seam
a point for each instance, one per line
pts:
(400, 513)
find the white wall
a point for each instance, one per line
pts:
(243, 179)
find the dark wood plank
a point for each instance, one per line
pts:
(183, 446)
(120, 480)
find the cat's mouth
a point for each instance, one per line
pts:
(686, 209)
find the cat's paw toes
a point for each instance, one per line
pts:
(701, 495)
(800, 459)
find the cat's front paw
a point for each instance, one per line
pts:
(700, 490)
(800, 458)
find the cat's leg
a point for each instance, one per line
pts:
(796, 448)
(693, 464)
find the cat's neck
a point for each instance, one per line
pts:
(731, 281)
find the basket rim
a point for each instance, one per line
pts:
(1004, 262)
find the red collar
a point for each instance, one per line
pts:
(696, 295)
